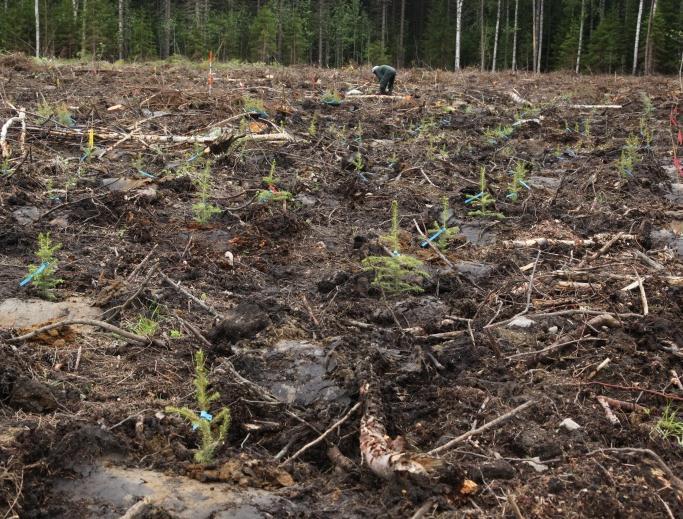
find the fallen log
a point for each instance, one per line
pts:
(589, 242)
(389, 458)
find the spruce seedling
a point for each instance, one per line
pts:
(396, 273)
(445, 233)
(43, 275)
(483, 200)
(211, 438)
(630, 156)
(518, 181)
(203, 210)
(271, 193)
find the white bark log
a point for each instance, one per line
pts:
(120, 34)
(21, 118)
(635, 45)
(540, 39)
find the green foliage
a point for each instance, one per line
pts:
(518, 181)
(266, 195)
(670, 426)
(263, 30)
(331, 98)
(449, 233)
(630, 156)
(485, 200)
(147, 326)
(501, 133)
(45, 281)
(396, 273)
(214, 432)
(313, 127)
(203, 210)
(176, 334)
(252, 105)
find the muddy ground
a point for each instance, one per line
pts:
(285, 300)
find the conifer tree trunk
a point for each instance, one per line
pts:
(36, 6)
(482, 39)
(514, 38)
(578, 51)
(648, 40)
(495, 39)
(84, 17)
(458, 32)
(320, 32)
(635, 45)
(507, 34)
(384, 25)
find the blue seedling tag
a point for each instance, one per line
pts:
(204, 416)
(30, 277)
(432, 238)
(473, 198)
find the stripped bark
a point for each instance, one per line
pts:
(389, 459)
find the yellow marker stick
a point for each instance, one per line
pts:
(91, 139)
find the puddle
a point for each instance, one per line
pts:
(297, 372)
(26, 313)
(106, 492)
(26, 215)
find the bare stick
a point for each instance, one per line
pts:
(553, 347)
(141, 264)
(89, 322)
(541, 242)
(648, 260)
(643, 297)
(194, 331)
(323, 435)
(189, 295)
(626, 406)
(485, 427)
(420, 512)
(602, 250)
(113, 312)
(565, 312)
(608, 410)
(515, 507)
(675, 380)
(3, 133)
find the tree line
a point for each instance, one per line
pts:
(613, 36)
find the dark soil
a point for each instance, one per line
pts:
(299, 316)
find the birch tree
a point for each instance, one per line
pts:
(458, 32)
(578, 51)
(482, 39)
(37, 13)
(495, 39)
(534, 32)
(635, 45)
(120, 33)
(514, 38)
(540, 37)
(649, 53)
(401, 46)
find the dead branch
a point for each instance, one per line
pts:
(544, 242)
(485, 427)
(323, 435)
(626, 406)
(21, 118)
(190, 296)
(675, 380)
(565, 313)
(648, 260)
(595, 107)
(608, 410)
(602, 250)
(514, 95)
(89, 322)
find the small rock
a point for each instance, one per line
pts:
(569, 424)
(305, 200)
(26, 215)
(521, 322)
(553, 330)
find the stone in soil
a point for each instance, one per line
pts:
(26, 313)
(242, 322)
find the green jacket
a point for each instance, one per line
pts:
(383, 70)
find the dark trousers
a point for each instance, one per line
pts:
(386, 85)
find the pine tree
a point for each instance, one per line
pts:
(264, 34)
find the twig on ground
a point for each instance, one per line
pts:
(675, 380)
(602, 250)
(608, 410)
(485, 427)
(323, 435)
(626, 406)
(189, 295)
(90, 322)
(643, 296)
(141, 264)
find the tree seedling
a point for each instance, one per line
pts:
(500, 133)
(254, 107)
(203, 210)
(272, 193)
(331, 98)
(630, 156)
(43, 275)
(147, 326)
(397, 273)
(441, 234)
(518, 181)
(212, 429)
(483, 200)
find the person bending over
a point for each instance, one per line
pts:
(386, 76)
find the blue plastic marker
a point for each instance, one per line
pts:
(432, 238)
(145, 174)
(204, 416)
(473, 198)
(524, 184)
(36, 272)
